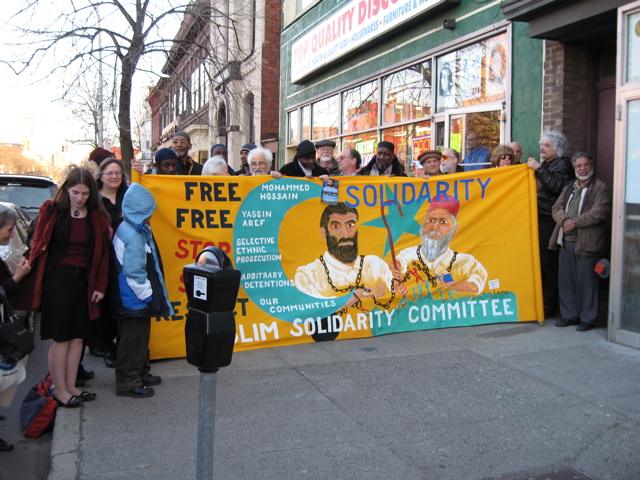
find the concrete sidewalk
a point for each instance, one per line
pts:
(494, 401)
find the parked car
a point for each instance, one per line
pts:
(14, 251)
(27, 191)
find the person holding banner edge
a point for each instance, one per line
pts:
(553, 172)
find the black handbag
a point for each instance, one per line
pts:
(16, 341)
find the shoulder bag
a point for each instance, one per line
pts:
(16, 341)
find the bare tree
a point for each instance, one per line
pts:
(82, 35)
(87, 106)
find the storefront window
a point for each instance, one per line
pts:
(360, 107)
(293, 121)
(633, 48)
(365, 143)
(326, 117)
(471, 80)
(409, 140)
(407, 94)
(472, 75)
(486, 125)
(306, 122)
(630, 319)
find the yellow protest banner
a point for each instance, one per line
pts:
(392, 255)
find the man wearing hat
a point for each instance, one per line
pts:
(166, 162)
(304, 163)
(181, 144)
(439, 267)
(245, 169)
(385, 163)
(325, 157)
(430, 161)
(221, 150)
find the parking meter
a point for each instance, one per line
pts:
(212, 289)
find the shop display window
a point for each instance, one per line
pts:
(407, 94)
(306, 122)
(364, 142)
(409, 140)
(326, 118)
(459, 91)
(633, 48)
(360, 107)
(472, 75)
(293, 122)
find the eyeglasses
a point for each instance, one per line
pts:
(504, 157)
(342, 157)
(111, 174)
(447, 157)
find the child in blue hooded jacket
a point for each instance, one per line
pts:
(138, 291)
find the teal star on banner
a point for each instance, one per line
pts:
(398, 224)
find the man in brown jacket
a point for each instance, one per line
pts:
(582, 214)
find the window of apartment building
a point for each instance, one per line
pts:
(302, 5)
(470, 91)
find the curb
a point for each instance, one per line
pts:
(65, 444)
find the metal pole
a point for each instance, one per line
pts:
(206, 425)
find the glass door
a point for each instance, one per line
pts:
(624, 308)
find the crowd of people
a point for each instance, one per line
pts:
(94, 270)
(574, 208)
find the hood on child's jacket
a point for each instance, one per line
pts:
(138, 205)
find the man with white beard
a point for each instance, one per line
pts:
(443, 268)
(325, 157)
(582, 214)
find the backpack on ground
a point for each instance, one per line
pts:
(38, 409)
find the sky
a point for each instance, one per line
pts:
(33, 95)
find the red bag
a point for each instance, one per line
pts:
(38, 409)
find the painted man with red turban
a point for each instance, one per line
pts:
(433, 259)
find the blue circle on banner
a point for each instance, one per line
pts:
(284, 302)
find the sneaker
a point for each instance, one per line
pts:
(138, 392)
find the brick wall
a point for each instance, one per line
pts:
(566, 92)
(270, 108)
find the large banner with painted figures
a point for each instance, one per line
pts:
(392, 255)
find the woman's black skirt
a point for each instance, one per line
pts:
(65, 309)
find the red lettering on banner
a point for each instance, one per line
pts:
(191, 248)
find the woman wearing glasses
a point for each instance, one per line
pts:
(112, 184)
(502, 156)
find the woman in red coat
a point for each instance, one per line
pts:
(70, 259)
